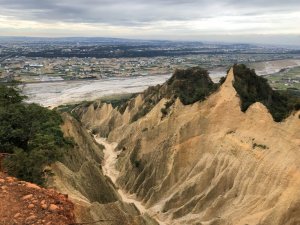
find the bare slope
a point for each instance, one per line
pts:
(209, 162)
(80, 176)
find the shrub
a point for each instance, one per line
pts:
(252, 88)
(137, 163)
(32, 134)
(191, 85)
(222, 80)
(259, 146)
(164, 111)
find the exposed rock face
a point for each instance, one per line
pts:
(80, 176)
(189, 86)
(209, 162)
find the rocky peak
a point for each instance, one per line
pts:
(189, 85)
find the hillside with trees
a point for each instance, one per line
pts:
(253, 88)
(31, 135)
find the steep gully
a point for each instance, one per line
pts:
(109, 170)
(210, 170)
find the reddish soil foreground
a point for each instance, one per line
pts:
(26, 203)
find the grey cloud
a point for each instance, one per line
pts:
(135, 12)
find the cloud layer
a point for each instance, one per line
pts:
(155, 18)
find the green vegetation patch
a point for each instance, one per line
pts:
(255, 145)
(285, 79)
(252, 88)
(191, 85)
(31, 134)
(165, 111)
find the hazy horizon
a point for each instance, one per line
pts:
(212, 40)
(260, 22)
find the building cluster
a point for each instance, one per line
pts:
(28, 69)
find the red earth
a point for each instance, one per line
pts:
(26, 203)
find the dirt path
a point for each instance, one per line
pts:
(26, 203)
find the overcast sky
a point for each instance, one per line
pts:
(259, 21)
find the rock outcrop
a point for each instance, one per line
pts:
(208, 162)
(81, 177)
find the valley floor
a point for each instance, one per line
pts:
(109, 169)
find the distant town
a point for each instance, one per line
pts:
(48, 60)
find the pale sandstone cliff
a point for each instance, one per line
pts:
(80, 176)
(207, 163)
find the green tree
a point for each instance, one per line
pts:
(31, 133)
(253, 88)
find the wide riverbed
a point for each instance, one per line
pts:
(58, 93)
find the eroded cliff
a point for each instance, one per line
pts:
(207, 162)
(80, 176)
